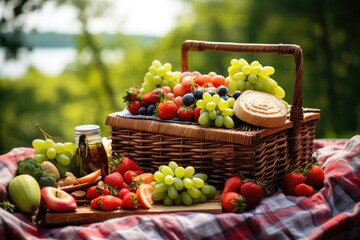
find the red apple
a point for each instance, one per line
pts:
(57, 200)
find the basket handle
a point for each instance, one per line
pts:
(296, 112)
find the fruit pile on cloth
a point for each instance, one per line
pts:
(331, 213)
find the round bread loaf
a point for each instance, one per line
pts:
(260, 109)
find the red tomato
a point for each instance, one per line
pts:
(169, 96)
(184, 74)
(202, 80)
(218, 80)
(166, 89)
(196, 73)
(179, 90)
(186, 82)
(178, 101)
(212, 74)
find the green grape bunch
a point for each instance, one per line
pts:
(49, 150)
(244, 76)
(176, 185)
(159, 75)
(216, 111)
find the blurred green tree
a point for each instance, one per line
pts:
(11, 25)
(88, 90)
(327, 31)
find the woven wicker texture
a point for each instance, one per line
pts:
(217, 159)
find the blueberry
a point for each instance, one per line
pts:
(198, 94)
(188, 99)
(236, 94)
(142, 111)
(222, 91)
(151, 109)
(226, 97)
(212, 93)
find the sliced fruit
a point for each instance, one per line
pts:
(90, 177)
(144, 178)
(144, 192)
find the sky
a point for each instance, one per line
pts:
(145, 17)
(149, 17)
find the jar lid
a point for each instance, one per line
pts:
(88, 129)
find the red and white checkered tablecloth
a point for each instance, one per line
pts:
(332, 213)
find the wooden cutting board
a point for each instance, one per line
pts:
(84, 214)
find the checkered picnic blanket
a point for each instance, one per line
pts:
(331, 213)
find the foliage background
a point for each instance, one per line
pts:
(90, 88)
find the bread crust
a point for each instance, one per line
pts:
(260, 109)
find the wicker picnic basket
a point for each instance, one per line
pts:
(255, 152)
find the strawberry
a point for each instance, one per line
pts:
(304, 190)
(232, 202)
(114, 182)
(253, 192)
(153, 96)
(291, 180)
(197, 111)
(131, 95)
(167, 110)
(130, 201)
(125, 185)
(186, 113)
(128, 176)
(106, 191)
(93, 192)
(106, 203)
(134, 107)
(315, 176)
(233, 184)
(122, 164)
(123, 192)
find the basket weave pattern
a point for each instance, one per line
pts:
(152, 147)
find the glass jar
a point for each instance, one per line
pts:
(90, 152)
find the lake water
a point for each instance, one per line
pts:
(50, 61)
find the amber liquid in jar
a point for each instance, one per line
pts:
(90, 152)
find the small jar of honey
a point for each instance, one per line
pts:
(90, 153)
